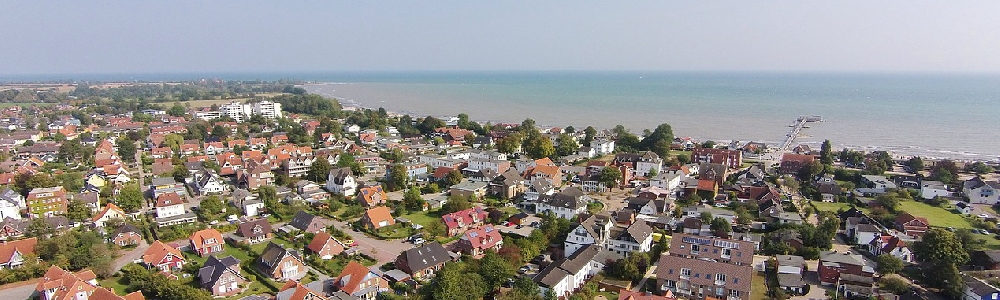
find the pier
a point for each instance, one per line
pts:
(797, 126)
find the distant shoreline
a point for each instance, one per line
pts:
(367, 104)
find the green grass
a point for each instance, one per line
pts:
(758, 287)
(937, 216)
(828, 206)
(116, 284)
(423, 218)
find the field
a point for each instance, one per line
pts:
(938, 217)
(758, 288)
(423, 218)
(11, 104)
(833, 207)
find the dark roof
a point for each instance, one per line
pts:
(427, 255)
(302, 220)
(273, 254)
(125, 228)
(340, 174)
(572, 265)
(214, 268)
(246, 229)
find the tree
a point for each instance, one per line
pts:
(220, 132)
(941, 245)
(659, 140)
(77, 210)
(174, 141)
(537, 146)
(510, 144)
(588, 135)
(126, 149)
(527, 124)
(721, 227)
(319, 169)
(888, 201)
(455, 283)
(495, 270)
(347, 161)
(456, 203)
(453, 177)
(826, 153)
(130, 198)
(610, 176)
(979, 168)
(180, 173)
(916, 164)
(945, 171)
(567, 145)
(412, 199)
(39, 228)
(211, 207)
(888, 264)
(177, 110)
(397, 178)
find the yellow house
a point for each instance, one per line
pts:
(96, 181)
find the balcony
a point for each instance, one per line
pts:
(720, 282)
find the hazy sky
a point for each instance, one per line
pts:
(64, 37)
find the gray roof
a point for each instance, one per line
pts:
(979, 287)
(214, 268)
(424, 256)
(245, 229)
(790, 280)
(273, 254)
(340, 174)
(163, 181)
(572, 198)
(639, 231)
(556, 271)
(790, 260)
(301, 220)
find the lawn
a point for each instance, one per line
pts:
(423, 218)
(6, 105)
(758, 287)
(116, 284)
(937, 216)
(833, 207)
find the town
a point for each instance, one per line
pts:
(257, 190)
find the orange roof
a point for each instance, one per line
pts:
(548, 171)
(319, 241)
(111, 207)
(378, 214)
(706, 185)
(545, 161)
(157, 251)
(372, 194)
(24, 247)
(56, 277)
(353, 274)
(199, 239)
(301, 291)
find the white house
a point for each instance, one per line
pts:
(341, 182)
(592, 231)
(565, 276)
(889, 244)
(666, 180)
(981, 192)
(566, 204)
(111, 211)
(930, 189)
(637, 237)
(977, 289)
(10, 204)
(247, 202)
(603, 147)
(207, 182)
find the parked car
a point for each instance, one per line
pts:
(524, 269)
(418, 241)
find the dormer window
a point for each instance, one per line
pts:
(210, 241)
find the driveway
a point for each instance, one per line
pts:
(131, 255)
(382, 250)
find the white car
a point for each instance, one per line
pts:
(984, 216)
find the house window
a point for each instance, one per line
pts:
(720, 291)
(210, 241)
(685, 272)
(727, 252)
(720, 277)
(734, 293)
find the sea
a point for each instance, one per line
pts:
(930, 115)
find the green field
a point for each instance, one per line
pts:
(5, 105)
(423, 218)
(937, 216)
(758, 287)
(833, 207)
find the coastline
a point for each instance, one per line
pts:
(405, 104)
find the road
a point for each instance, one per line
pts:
(28, 289)
(642, 283)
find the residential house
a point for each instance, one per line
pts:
(643, 162)
(111, 211)
(12, 252)
(360, 281)
(163, 185)
(247, 202)
(460, 221)
(875, 185)
(729, 251)
(987, 259)
(378, 217)
(930, 189)
(11, 204)
(892, 245)
(207, 241)
(222, 276)
(978, 289)
(254, 175)
(981, 192)
(126, 235)
(423, 261)
(470, 189)
(694, 278)
(341, 181)
(593, 230)
(790, 271)
(47, 202)
(372, 196)
(59, 284)
(846, 272)
(565, 204)
(207, 182)
(170, 210)
(963, 208)
(911, 225)
(666, 180)
(564, 276)
(280, 263)
(631, 295)
(507, 185)
(648, 206)
(603, 146)
(307, 222)
(325, 245)
(636, 236)
(791, 163)
(253, 232)
(163, 257)
(475, 242)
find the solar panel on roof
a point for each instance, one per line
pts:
(489, 229)
(473, 234)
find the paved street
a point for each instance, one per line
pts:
(381, 250)
(131, 255)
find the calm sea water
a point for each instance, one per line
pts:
(929, 115)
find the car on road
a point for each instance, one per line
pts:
(524, 269)
(535, 224)
(418, 241)
(984, 216)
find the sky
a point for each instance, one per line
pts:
(118, 37)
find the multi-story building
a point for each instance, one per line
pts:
(267, 109)
(730, 158)
(849, 273)
(47, 202)
(702, 267)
